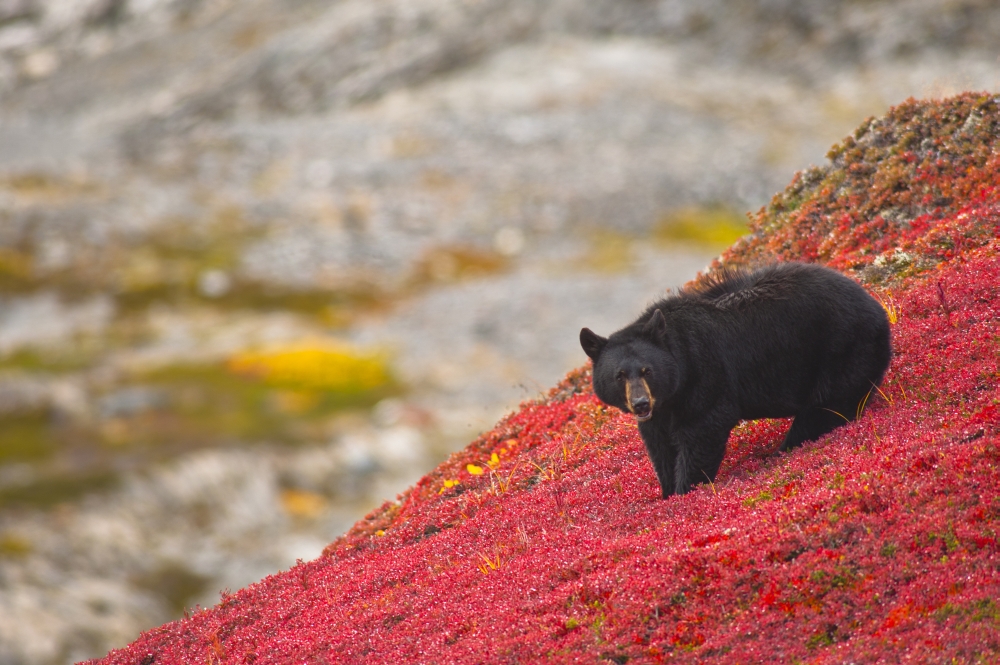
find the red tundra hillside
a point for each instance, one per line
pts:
(546, 540)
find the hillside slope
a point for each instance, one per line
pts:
(545, 539)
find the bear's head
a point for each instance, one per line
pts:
(633, 369)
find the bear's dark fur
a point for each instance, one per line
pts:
(790, 339)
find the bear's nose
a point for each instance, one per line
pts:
(640, 406)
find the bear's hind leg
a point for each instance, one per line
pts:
(813, 422)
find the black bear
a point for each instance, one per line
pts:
(791, 339)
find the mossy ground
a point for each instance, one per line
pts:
(197, 404)
(182, 408)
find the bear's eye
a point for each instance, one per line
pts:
(620, 376)
(644, 371)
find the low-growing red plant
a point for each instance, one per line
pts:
(877, 543)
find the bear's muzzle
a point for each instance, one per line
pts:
(639, 399)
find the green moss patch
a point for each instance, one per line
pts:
(25, 438)
(54, 490)
(177, 585)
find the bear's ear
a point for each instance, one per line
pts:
(592, 343)
(656, 327)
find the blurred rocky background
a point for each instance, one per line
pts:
(264, 263)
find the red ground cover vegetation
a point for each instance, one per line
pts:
(878, 543)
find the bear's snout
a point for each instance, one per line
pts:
(642, 408)
(640, 402)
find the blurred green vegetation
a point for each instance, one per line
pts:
(255, 398)
(284, 395)
(14, 546)
(68, 359)
(47, 492)
(169, 266)
(16, 270)
(25, 438)
(175, 583)
(711, 227)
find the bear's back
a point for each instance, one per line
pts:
(731, 287)
(802, 283)
(791, 296)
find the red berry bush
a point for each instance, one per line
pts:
(545, 540)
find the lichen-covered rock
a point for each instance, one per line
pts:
(896, 196)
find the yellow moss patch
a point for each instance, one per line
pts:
(716, 226)
(36, 186)
(319, 366)
(12, 546)
(609, 252)
(294, 402)
(299, 503)
(15, 264)
(452, 263)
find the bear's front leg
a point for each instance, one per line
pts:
(700, 449)
(662, 453)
